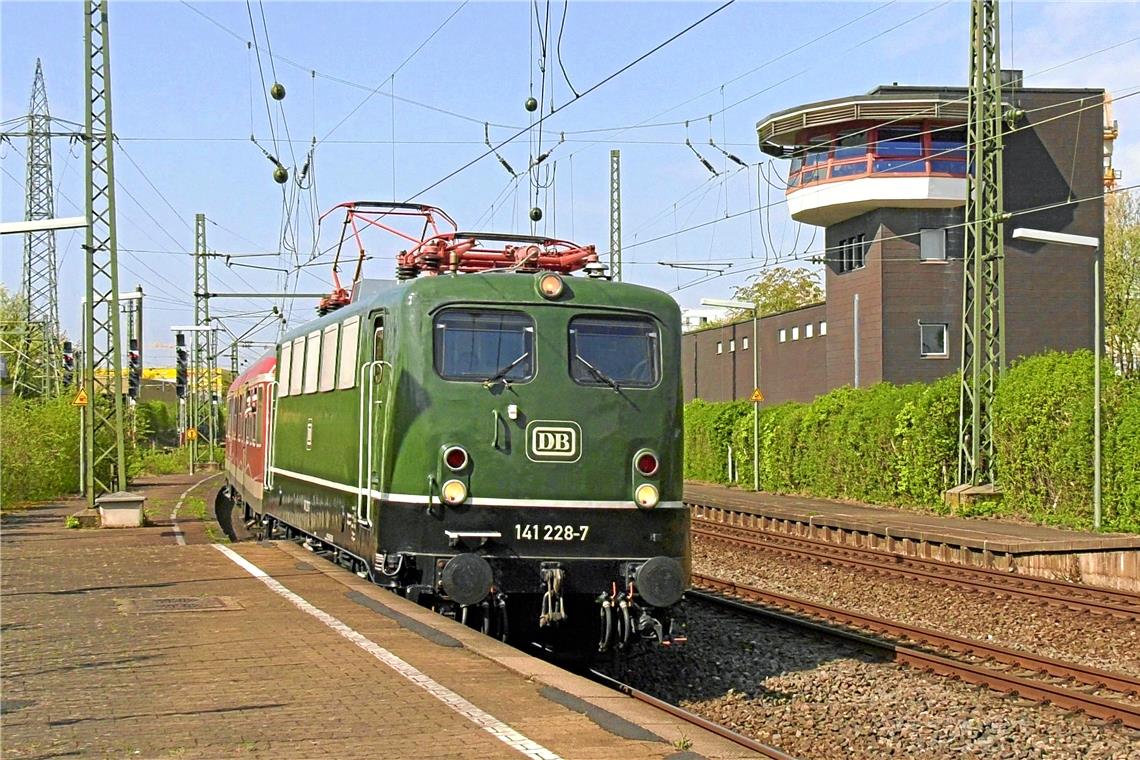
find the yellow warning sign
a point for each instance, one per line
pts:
(757, 396)
(80, 398)
(192, 434)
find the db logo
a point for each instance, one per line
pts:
(553, 441)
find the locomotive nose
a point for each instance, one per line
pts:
(467, 578)
(661, 581)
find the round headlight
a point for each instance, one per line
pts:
(646, 463)
(646, 496)
(455, 457)
(550, 285)
(453, 492)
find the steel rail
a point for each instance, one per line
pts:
(998, 680)
(1074, 596)
(685, 715)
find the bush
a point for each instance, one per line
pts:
(926, 451)
(1121, 490)
(708, 434)
(1043, 435)
(163, 462)
(899, 444)
(39, 449)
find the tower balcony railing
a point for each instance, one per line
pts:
(822, 168)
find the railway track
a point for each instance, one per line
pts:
(1066, 685)
(739, 739)
(724, 526)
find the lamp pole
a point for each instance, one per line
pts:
(1084, 241)
(754, 307)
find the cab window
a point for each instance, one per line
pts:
(477, 345)
(609, 351)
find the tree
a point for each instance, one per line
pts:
(780, 289)
(1122, 281)
(13, 334)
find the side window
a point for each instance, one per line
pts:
(297, 370)
(312, 361)
(349, 338)
(378, 340)
(329, 337)
(283, 369)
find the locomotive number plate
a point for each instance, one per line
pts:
(541, 532)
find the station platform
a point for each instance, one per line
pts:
(1111, 560)
(154, 642)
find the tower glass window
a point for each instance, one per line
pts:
(932, 245)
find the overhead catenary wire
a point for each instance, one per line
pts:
(586, 92)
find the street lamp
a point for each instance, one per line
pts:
(1083, 241)
(755, 309)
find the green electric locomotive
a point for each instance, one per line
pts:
(498, 440)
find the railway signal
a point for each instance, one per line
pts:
(180, 364)
(134, 369)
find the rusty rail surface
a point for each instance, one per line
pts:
(678, 712)
(1073, 596)
(980, 673)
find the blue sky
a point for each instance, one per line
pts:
(188, 94)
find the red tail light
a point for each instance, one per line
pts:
(647, 463)
(455, 458)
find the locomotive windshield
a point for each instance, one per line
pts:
(616, 351)
(479, 345)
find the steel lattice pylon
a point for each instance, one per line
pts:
(203, 357)
(615, 215)
(103, 415)
(983, 291)
(40, 371)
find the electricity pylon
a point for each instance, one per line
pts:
(42, 366)
(615, 215)
(983, 291)
(204, 357)
(105, 469)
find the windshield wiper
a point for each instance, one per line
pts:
(502, 373)
(598, 374)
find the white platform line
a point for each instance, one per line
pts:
(178, 535)
(483, 720)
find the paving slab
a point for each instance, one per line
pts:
(128, 644)
(975, 533)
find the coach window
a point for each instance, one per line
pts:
(283, 370)
(328, 357)
(484, 345)
(258, 415)
(349, 336)
(933, 340)
(312, 361)
(296, 372)
(620, 352)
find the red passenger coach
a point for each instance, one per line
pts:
(247, 432)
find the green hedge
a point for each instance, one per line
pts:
(39, 449)
(899, 444)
